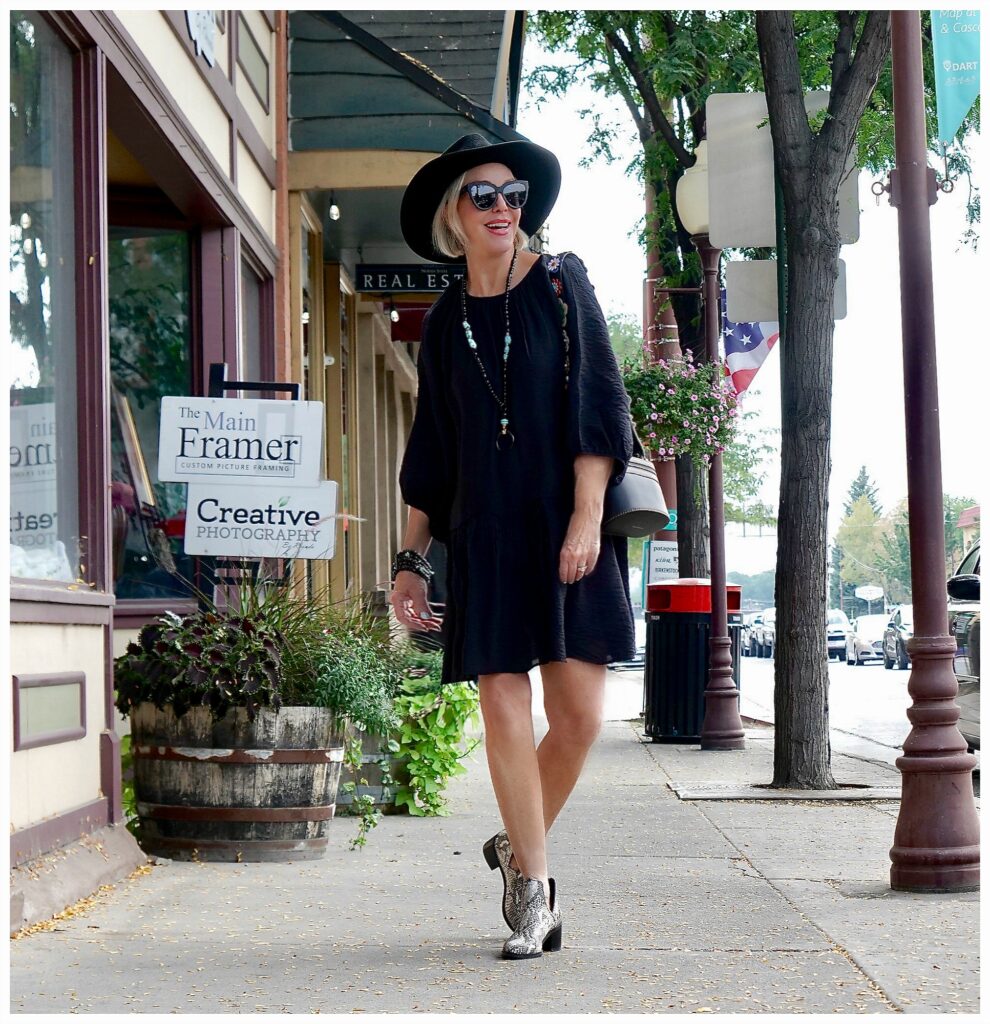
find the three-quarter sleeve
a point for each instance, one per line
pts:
(598, 406)
(425, 478)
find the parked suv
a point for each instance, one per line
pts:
(836, 632)
(900, 629)
(964, 625)
(764, 634)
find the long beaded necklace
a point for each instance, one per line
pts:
(506, 438)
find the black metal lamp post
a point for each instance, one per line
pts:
(722, 727)
(936, 841)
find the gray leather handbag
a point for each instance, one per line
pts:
(635, 506)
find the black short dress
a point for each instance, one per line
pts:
(503, 515)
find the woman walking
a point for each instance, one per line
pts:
(518, 431)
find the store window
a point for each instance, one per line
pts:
(44, 505)
(150, 346)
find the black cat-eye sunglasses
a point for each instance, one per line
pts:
(485, 195)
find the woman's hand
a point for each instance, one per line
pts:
(579, 555)
(410, 603)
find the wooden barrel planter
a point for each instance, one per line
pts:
(374, 756)
(236, 790)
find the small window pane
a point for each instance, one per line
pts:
(250, 368)
(44, 505)
(252, 60)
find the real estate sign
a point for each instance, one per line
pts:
(232, 440)
(247, 521)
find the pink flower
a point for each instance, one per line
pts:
(654, 416)
(653, 434)
(694, 398)
(673, 440)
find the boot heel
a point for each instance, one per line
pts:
(551, 944)
(490, 855)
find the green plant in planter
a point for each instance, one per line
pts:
(431, 735)
(681, 407)
(269, 649)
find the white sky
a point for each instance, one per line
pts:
(598, 214)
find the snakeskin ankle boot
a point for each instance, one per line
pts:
(540, 926)
(498, 853)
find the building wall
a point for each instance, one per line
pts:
(47, 780)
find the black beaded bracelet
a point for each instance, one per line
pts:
(409, 560)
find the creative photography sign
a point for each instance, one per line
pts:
(247, 521)
(220, 440)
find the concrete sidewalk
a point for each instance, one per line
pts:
(669, 905)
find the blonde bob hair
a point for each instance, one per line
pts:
(448, 232)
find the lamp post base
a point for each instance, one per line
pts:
(936, 841)
(722, 728)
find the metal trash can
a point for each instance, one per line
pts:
(678, 627)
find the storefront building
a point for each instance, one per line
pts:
(146, 215)
(191, 188)
(373, 95)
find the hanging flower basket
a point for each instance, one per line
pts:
(682, 407)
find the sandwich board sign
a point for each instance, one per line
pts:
(273, 521)
(240, 440)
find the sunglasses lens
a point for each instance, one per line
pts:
(483, 196)
(516, 193)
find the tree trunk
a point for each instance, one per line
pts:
(692, 518)
(809, 167)
(802, 752)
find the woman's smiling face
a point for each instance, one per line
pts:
(489, 232)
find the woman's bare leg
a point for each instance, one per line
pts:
(510, 743)
(574, 699)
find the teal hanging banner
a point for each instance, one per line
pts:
(956, 36)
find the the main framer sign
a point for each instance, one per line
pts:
(238, 440)
(397, 278)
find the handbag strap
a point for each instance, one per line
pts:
(554, 265)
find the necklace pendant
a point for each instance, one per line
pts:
(505, 440)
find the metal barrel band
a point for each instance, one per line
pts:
(221, 755)
(176, 812)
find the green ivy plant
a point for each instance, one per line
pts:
(681, 407)
(430, 740)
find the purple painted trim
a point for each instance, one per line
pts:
(110, 775)
(33, 841)
(32, 682)
(229, 277)
(133, 614)
(226, 96)
(59, 614)
(92, 337)
(56, 592)
(265, 101)
(142, 111)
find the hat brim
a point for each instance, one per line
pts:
(525, 159)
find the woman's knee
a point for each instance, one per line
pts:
(506, 700)
(578, 726)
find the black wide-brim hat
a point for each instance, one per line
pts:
(525, 159)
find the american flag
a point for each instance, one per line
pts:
(746, 346)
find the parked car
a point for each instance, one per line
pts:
(836, 632)
(749, 634)
(744, 632)
(964, 625)
(900, 629)
(765, 633)
(865, 639)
